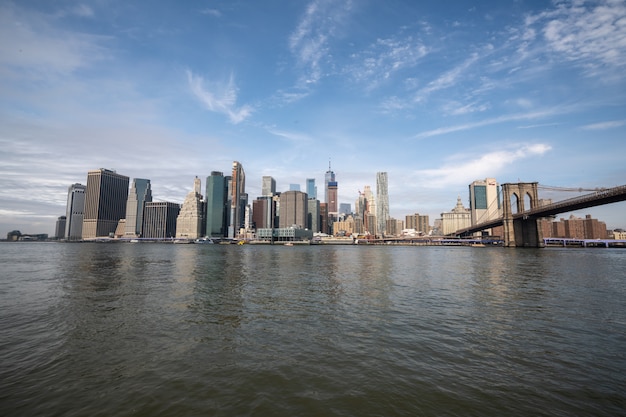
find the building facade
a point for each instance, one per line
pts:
(268, 186)
(60, 227)
(293, 210)
(311, 188)
(216, 198)
(420, 223)
(105, 202)
(238, 200)
(382, 201)
(139, 194)
(159, 219)
(75, 211)
(313, 215)
(457, 218)
(191, 216)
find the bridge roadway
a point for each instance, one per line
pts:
(597, 198)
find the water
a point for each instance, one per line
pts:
(213, 330)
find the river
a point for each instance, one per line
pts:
(97, 329)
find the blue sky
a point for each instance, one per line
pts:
(437, 94)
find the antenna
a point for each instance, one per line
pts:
(329, 164)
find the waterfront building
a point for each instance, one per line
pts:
(457, 218)
(268, 186)
(264, 212)
(313, 215)
(139, 194)
(382, 201)
(105, 202)
(574, 228)
(394, 227)
(344, 227)
(293, 210)
(238, 200)
(324, 217)
(418, 222)
(75, 211)
(60, 227)
(216, 198)
(370, 224)
(311, 188)
(485, 201)
(159, 219)
(191, 216)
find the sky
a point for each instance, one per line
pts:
(436, 94)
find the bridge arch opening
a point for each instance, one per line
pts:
(515, 203)
(528, 202)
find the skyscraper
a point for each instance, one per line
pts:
(105, 202)
(60, 227)
(238, 199)
(75, 211)
(140, 193)
(329, 177)
(382, 202)
(191, 217)
(216, 197)
(159, 220)
(293, 209)
(311, 189)
(269, 186)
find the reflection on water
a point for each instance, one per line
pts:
(157, 329)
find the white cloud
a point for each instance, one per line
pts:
(211, 12)
(455, 173)
(223, 101)
(592, 35)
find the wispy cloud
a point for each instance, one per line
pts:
(455, 173)
(211, 12)
(309, 42)
(31, 46)
(446, 80)
(605, 125)
(590, 35)
(486, 122)
(223, 100)
(384, 58)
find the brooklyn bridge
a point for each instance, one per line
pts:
(520, 223)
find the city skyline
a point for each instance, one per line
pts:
(437, 96)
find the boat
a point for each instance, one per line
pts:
(204, 241)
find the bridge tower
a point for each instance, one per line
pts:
(523, 231)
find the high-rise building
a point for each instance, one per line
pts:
(329, 177)
(268, 186)
(216, 207)
(159, 219)
(485, 201)
(60, 227)
(313, 215)
(345, 208)
(382, 201)
(75, 211)
(311, 188)
(293, 210)
(238, 200)
(191, 216)
(105, 202)
(294, 187)
(263, 212)
(139, 194)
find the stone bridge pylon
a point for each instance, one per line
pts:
(523, 231)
